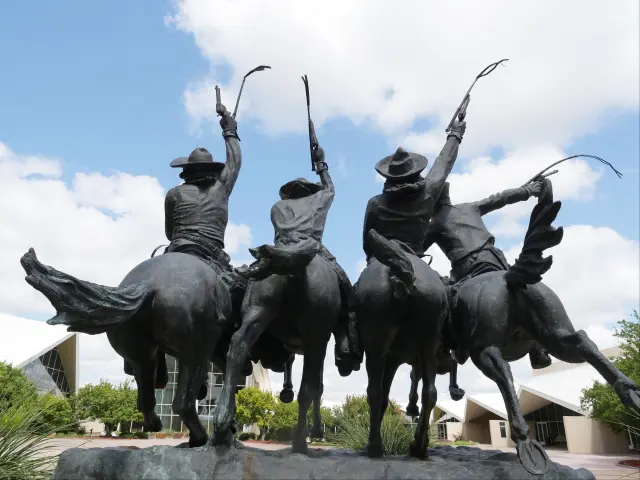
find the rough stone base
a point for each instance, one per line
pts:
(171, 463)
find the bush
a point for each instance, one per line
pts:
(397, 434)
(25, 442)
(161, 435)
(284, 434)
(141, 434)
(459, 437)
(247, 436)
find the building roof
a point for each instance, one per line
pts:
(563, 387)
(479, 404)
(23, 340)
(452, 408)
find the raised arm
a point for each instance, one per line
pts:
(322, 169)
(231, 169)
(444, 163)
(369, 223)
(169, 204)
(507, 197)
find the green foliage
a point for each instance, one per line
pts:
(254, 406)
(57, 411)
(15, 387)
(285, 416)
(247, 436)
(352, 421)
(601, 398)
(26, 450)
(109, 405)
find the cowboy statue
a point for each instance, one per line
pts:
(298, 220)
(197, 212)
(462, 236)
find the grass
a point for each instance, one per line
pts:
(26, 444)
(353, 434)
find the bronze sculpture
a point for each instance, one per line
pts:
(179, 303)
(298, 294)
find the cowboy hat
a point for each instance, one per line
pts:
(200, 157)
(296, 188)
(401, 164)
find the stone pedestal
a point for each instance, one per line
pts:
(171, 463)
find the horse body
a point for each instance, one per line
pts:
(399, 330)
(172, 303)
(301, 311)
(497, 320)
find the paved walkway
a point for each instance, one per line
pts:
(604, 467)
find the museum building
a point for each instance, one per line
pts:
(550, 402)
(47, 354)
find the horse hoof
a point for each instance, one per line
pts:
(222, 437)
(456, 393)
(300, 446)
(375, 451)
(413, 410)
(627, 391)
(286, 395)
(155, 425)
(202, 392)
(418, 452)
(533, 457)
(195, 442)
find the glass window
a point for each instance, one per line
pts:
(503, 430)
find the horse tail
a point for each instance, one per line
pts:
(83, 306)
(541, 235)
(390, 254)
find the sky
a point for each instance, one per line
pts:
(97, 98)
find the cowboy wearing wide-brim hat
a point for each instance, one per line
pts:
(403, 210)
(298, 220)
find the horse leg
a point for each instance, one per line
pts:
(455, 391)
(162, 372)
(391, 365)
(191, 376)
(286, 395)
(310, 388)
(532, 455)
(429, 368)
(412, 408)
(255, 321)
(564, 343)
(145, 375)
(316, 429)
(375, 372)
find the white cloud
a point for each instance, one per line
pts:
(97, 228)
(571, 63)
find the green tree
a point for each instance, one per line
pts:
(15, 387)
(255, 406)
(600, 398)
(109, 405)
(57, 412)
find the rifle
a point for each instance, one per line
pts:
(218, 99)
(461, 111)
(313, 140)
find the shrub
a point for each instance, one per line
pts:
(25, 442)
(161, 435)
(459, 437)
(177, 435)
(397, 434)
(247, 436)
(141, 434)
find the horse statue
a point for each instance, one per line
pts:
(400, 302)
(179, 302)
(500, 315)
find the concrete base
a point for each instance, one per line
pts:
(163, 462)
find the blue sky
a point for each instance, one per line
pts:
(100, 86)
